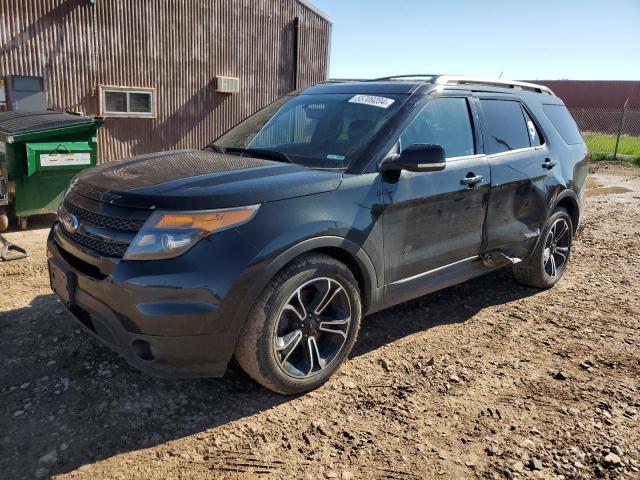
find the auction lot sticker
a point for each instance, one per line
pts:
(372, 100)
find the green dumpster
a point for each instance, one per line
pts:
(40, 152)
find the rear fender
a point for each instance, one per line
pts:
(567, 199)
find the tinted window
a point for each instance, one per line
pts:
(445, 122)
(534, 134)
(564, 123)
(505, 126)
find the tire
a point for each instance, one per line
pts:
(536, 270)
(270, 349)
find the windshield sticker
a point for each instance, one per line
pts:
(335, 157)
(372, 100)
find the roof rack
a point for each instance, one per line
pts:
(415, 76)
(462, 80)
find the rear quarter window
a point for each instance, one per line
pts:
(534, 134)
(563, 123)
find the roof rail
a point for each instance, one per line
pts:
(462, 80)
(416, 76)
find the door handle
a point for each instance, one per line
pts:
(548, 164)
(470, 180)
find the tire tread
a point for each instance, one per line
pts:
(249, 349)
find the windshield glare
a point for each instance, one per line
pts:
(317, 131)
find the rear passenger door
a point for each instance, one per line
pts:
(521, 175)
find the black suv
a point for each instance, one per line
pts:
(334, 202)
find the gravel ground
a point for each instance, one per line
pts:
(485, 379)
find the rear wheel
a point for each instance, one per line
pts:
(303, 327)
(547, 263)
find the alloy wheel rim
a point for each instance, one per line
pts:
(313, 327)
(556, 248)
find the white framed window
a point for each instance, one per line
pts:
(127, 102)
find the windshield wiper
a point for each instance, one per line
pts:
(272, 154)
(216, 148)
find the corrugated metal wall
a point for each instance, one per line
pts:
(595, 93)
(175, 46)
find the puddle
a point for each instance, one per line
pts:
(606, 191)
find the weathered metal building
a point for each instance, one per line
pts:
(152, 67)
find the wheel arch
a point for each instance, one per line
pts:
(341, 249)
(568, 200)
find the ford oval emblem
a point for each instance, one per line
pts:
(70, 223)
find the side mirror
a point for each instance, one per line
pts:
(418, 157)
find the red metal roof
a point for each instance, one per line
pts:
(595, 93)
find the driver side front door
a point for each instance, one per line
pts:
(433, 220)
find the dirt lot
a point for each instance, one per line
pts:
(486, 379)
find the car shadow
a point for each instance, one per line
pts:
(61, 390)
(451, 305)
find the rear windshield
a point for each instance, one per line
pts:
(317, 131)
(564, 123)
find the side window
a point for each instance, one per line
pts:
(445, 122)
(535, 139)
(504, 125)
(564, 123)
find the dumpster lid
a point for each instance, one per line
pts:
(15, 122)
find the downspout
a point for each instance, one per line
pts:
(296, 50)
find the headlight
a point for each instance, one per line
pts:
(169, 234)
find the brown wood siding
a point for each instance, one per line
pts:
(177, 47)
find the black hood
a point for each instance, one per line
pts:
(198, 179)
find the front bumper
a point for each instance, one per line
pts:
(171, 319)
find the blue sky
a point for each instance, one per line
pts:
(534, 39)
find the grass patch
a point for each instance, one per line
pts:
(602, 146)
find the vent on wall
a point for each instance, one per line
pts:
(227, 84)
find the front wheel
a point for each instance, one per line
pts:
(303, 327)
(549, 260)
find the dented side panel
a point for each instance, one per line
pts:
(518, 202)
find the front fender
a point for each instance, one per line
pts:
(263, 272)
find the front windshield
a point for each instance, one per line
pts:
(317, 131)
